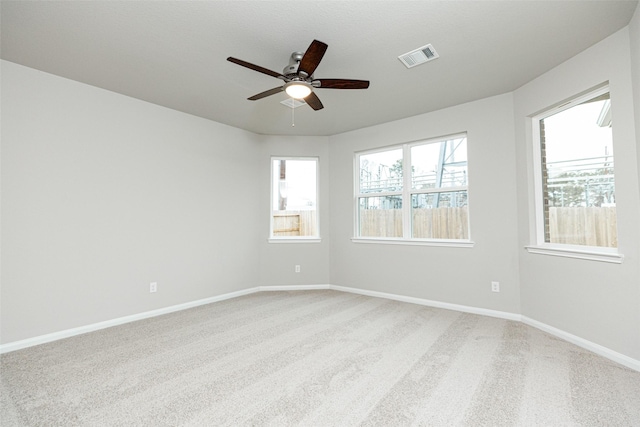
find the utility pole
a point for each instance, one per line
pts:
(282, 186)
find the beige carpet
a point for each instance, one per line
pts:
(316, 358)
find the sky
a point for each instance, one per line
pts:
(575, 134)
(300, 184)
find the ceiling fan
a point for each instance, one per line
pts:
(298, 76)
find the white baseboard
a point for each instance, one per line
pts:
(580, 342)
(431, 303)
(42, 339)
(294, 287)
(586, 344)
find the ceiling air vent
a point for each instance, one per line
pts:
(419, 56)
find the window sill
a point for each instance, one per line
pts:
(295, 240)
(416, 242)
(591, 254)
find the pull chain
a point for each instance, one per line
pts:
(293, 113)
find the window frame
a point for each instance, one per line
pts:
(538, 244)
(406, 195)
(293, 239)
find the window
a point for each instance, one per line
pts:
(415, 191)
(294, 199)
(575, 183)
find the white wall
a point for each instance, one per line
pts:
(277, 260)
(634, 37)
(453, 275)
(102, 194)
(593, 300)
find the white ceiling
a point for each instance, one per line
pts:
(174, 53)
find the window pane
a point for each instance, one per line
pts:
(381, 172)
(437, 169)
(439, 164)
(440, 215)
(380, 216)
(294, 198)
(578, 175)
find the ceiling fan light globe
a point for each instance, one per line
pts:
(297, 90)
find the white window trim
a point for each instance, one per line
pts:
(406, 198)
(416, 242)
(539, 246)
(294, 239)
(591, 253)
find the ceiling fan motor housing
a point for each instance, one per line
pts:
(291, 70)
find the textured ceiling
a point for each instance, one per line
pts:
(174, 53)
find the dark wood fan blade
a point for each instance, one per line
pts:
(266, 93)
(255, 67)
(312, 57)
(343, 84)
(313, 101)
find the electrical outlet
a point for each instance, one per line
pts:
(495, 286)
(153, 287)
(297, 269)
